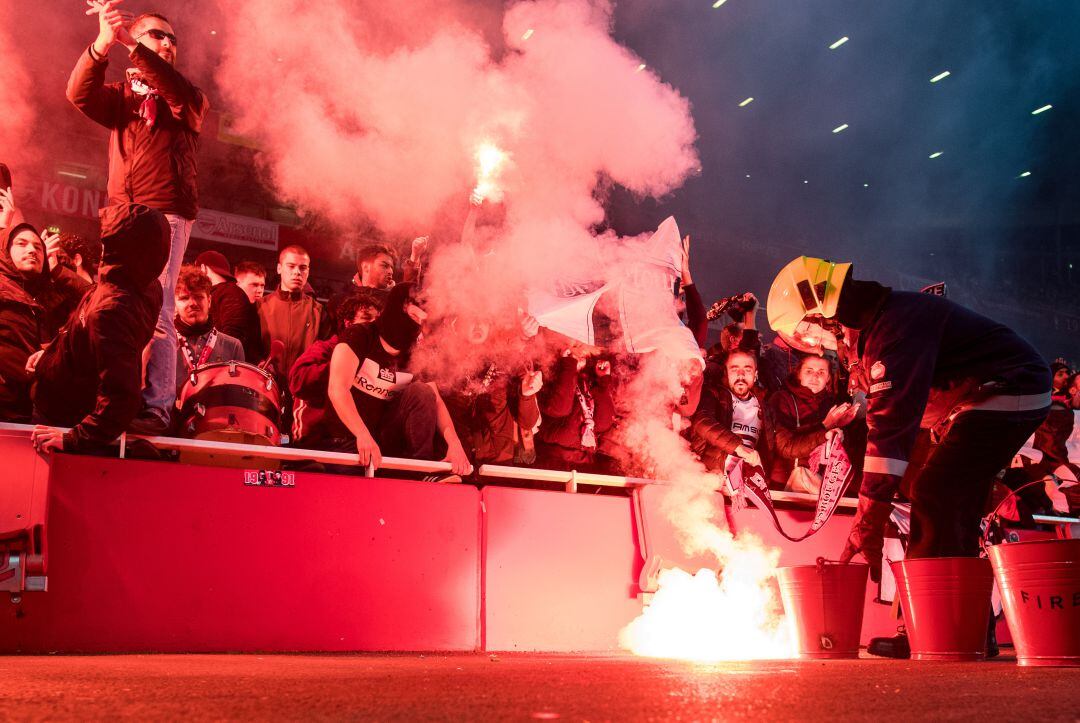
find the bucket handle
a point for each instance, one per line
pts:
(994, 515)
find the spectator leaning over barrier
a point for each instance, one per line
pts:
(578, 410)
(380, 408)
(251, 277)
(290, 315)
(89, 376)
(155, 117)
(199, 341)
(309, 377)
(730, 419)
(233, 313)
(800, 414)
(492, 407)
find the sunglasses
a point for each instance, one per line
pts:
(157, 34)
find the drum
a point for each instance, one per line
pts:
(231, 402)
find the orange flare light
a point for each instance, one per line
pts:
(490, 161)
(705, 619)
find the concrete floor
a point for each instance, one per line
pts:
(524, 687)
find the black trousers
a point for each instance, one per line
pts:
(408, 427)
(950, 486)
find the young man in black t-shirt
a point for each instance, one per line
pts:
(379, 406)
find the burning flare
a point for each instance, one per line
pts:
(706, 618)
(490, 162)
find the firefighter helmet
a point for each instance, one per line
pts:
(806, 292)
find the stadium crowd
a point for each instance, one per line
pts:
(111, 335)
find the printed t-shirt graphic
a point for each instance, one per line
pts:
(380, 376)
(746, 419)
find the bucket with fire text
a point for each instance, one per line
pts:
(1040, 591)
(946, 603)
(824, 605)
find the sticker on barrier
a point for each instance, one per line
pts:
(269, 478)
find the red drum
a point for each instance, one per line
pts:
(231, 402)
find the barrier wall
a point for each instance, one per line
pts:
(150, 556)
(560, 570)
(154, 556)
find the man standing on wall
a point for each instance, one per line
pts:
(155, 117)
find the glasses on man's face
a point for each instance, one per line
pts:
(158, 34)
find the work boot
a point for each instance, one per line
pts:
(894, 647)
(992, 650)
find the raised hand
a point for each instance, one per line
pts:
(7, 207)
(52, 247)
(112, 24)
(531, 382)
(419, 248)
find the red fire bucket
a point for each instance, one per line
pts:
(1040, 590)
(824, 605)
(946, 602)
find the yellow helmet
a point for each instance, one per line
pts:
(806, 287)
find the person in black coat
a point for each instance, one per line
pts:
(90, 377)
(730, 418)
(24, 282)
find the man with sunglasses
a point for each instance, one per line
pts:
(155, 117)
(975, 386)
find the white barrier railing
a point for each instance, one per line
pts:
(527, 474)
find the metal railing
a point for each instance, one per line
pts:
(570, 480)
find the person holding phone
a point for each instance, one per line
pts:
(155, 116)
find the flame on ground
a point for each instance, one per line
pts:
(706, 619)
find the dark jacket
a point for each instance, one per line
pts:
(919, 356)
(711, 437)
(235, 315)
(154, 166)
(90, 377)
(1052, 437)
(560, 440)
(796, 421)
(486, 413)
(22, 327)
(297, 320)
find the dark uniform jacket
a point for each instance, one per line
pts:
(923, 357)
(90, 377)
(152, 165)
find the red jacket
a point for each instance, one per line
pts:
(154, 166)
(309, 380)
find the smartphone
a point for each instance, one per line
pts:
(5, 176)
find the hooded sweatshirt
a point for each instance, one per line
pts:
(22, 326)
(90, 378)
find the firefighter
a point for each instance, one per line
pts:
(926, 363)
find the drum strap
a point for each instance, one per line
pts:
(204, 355)
(231, 395)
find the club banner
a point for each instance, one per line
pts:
(835, 469)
